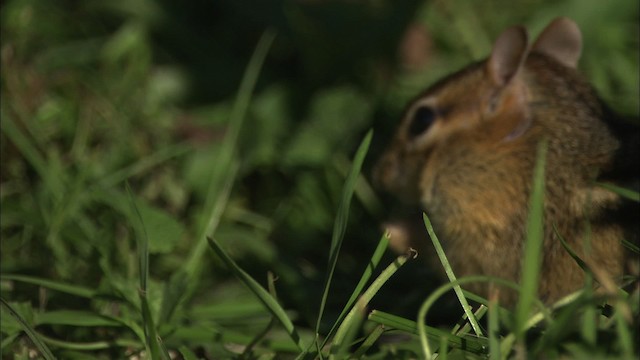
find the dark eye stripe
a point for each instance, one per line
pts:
(422, 119)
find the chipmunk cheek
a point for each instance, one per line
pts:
(389, 173)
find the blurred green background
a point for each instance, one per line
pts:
(96, 93)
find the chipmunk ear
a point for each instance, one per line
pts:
(509, 103)
(508, 54)
(562, 41)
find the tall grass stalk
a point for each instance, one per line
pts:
(423, 331)
(373, 264)
(153, 341)
(532, 257)
(452, 277)
(226, 167)
(340, 223)
(339, 343)
(30, 331)
(263, 295)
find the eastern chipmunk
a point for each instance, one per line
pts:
(465, 151)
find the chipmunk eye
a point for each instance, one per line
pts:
(423, 117)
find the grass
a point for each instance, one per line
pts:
(169, 194)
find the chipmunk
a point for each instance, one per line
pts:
(466, 148)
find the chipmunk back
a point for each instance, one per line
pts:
(465, 151)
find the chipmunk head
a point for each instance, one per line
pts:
(481, 108)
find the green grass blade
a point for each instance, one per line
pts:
(52, 179)
(563, 320)
(569, 250)
(214, 207)
(247, 85)
(589, 331)
(423, 329)
(269, 302)
(364, 192)
(467, 343)
(75, 318)
(373, 264)
(391, 321)
(53, 285)
(351, 319)
(631, 246)
(443, 350)
(494, 328)
(152, 339)
(224, 173)
(187, 354)
(174, 291)
(452, 277)
(368, 342)
(35, 338)
(589, 328)
(626, 193)
(340, 224)
(625, 338)
(8, 340)
(348, 332)
(507, 343)
(260, 335)
(533, 246)
(142, 242)
(143, 165)
(466, 327)
(91, 346)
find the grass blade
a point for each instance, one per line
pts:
(452, 277)
(342, 216)
(631, 246)
(373, 264)
(352, 318)
(423, 329)
(348, 331)
(569, 250)
(624, 335)
(224, 173)
(368, 342)
(53, 285)
(267, 300)
(214, 206)
(51, 177)
(466, 328)
(390, 322)
(91, 346)
(272, 290)
(533, 244)
(187, 354)
(173, 292)
(443, 350)
(152, 339)
(142, 241)
(148, 162)
(75, 318)
(37, 341)
(494, 328)
(625, 193)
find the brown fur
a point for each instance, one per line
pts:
(472, 169)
